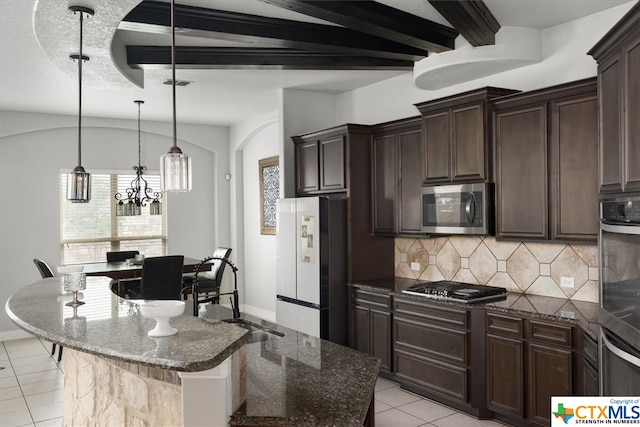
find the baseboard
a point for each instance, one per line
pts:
(267, 315)
(14, 335)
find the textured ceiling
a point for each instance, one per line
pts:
(37, 75)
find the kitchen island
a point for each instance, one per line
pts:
(267, 376)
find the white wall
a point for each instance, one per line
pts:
(259, 249)
(564, 50)
(35, 147)
(251, 258)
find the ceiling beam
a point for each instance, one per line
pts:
(379, 20)
(152, 16)
(472, 18)
(159, 57)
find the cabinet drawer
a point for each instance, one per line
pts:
(444, 316)
(505, 326)
(550, 333)
(433, 341)
(432, 375)
(372, 299)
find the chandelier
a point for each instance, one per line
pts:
(139, 194)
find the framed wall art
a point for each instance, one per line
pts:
(269, 175)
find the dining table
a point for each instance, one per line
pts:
(128, 270)
(125, 270)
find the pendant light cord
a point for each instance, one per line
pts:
(173, 70)
(139, 102)
(80, 59)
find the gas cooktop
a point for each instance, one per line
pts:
(456, 291)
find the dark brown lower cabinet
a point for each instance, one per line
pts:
(505, 382)
(370, 330)
(529, 361)
(590, 379)
(487, 363)
(432, 348)
(549, 375)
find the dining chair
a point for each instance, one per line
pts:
(209, 282)
(161, 279)
(119, 256)
(45, 271)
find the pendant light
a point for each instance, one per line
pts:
(175, 166)
(139, 194)
(79, 181)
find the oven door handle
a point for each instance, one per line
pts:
(619, 352)
(620, 229)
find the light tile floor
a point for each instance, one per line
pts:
(31, 392)
(31, 384)
(396, 407)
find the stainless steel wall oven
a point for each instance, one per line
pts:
(620, 297)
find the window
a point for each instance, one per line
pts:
(89, 230)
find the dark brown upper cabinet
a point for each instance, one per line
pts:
(337, 162)
(546, 147)
(320, 164)
(618, 57)
(397, 177)
(456, 136)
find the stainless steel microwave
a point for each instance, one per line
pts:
(458, 209)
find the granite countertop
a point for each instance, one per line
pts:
(291, 378)
(296, 379)
(112, 327)
(585, 314)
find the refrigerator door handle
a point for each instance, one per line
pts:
(298, 302)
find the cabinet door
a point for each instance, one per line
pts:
(410, 181)
(574, 155)
(332, 176)
(380, 337)
(590, 382)
(437, 140)
(521, 179)
(360, 329)
(549, 375)
(468, 143)
(610, 118)
(384, 185)
(307, 167)
(631, 97)
(505, 372)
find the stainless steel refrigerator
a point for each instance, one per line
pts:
(311, 266)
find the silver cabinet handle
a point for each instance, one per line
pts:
(619, 352)
(470, 209)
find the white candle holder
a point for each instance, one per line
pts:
(75, 282)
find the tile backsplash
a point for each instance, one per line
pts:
(530, 268)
